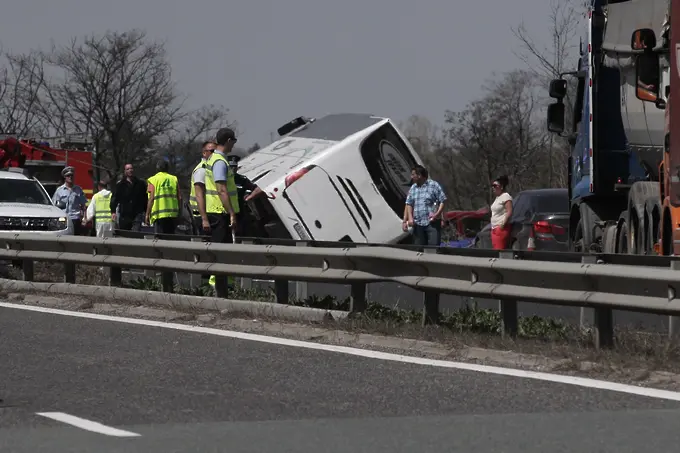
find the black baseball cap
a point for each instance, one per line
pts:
(223, 135)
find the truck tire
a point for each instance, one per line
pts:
(578, 243)
(641, 193)
(653, 225)
(622, 240)
(609, 239)
(583, 237)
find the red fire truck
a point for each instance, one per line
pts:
(45, 163)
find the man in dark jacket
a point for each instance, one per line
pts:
(246, 225)
(129, 199)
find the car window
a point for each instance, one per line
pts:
(521, 208)
(22, 191)
(551, 203)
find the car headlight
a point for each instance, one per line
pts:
(60, 223)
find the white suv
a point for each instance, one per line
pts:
(25, 206)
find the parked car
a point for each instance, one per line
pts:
(25, 206)
(459, 228)
(541, 214)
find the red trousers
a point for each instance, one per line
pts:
(500, 237)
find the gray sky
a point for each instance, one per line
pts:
(272, 61)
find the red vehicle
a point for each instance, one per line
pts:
(461, 227)
(45, 163)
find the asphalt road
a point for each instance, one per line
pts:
(178, 391)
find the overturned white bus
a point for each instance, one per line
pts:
(342, 177)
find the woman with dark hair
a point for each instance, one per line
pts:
(501, 210)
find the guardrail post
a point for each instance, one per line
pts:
(586, 259)
(508, 308)
(69, 272)
(221, 286)
(115, 276)
(281, 289)
(673, 320)
(301, 287)
(167, 277)
(27, 270)
(246, 282)
(603, 335)
(357, 299)
(148, 273)
(430, 301)
(195, 279)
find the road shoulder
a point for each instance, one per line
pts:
(332, 333)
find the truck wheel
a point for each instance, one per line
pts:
(609, 239)
(653, 225)
(641, 193)
(622, 234)
(578, 244)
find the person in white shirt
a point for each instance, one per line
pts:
(501, 210)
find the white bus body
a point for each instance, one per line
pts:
(343, 177)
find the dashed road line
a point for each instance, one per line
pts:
(87, 425)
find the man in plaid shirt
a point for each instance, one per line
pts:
(424, 206)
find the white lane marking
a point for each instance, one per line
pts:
(556, 378)
(87, 425)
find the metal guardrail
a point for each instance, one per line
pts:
(506, 275)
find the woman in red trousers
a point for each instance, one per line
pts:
(501, 210)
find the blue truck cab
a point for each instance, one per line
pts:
(615, 138)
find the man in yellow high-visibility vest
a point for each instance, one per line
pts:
(99, 209)
(214, 206)
(162, 208)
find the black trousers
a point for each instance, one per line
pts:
(167, 225)
(78, 228)
(220, 232)
(131, 223)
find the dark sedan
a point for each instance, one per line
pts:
(540, 221)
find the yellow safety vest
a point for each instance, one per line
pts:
(212, 198)
(102, 208)
(165, 203)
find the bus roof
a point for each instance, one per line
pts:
(274, 162)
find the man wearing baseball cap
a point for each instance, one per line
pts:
(225, 139)
(213, 186)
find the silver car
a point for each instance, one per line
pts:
(25, 206)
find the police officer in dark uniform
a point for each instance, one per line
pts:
(246, 191)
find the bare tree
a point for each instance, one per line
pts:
(118, 88)
(21, 78)
(548, 62)
(420, 131)
(182, 145)
(494, 135)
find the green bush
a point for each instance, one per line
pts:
(470, 318)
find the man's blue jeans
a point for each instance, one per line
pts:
(428, 235)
